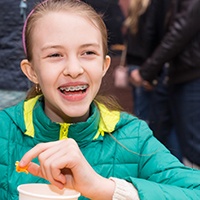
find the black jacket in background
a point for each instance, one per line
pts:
(180, 46)
(11, 52)
(151, 28)
(113, 18)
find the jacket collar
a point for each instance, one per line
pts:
(101, 121)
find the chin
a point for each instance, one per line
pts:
(77, 115)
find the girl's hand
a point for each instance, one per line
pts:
(63, 164)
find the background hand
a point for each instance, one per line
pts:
(135, 78)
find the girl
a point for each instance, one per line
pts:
(65, 135)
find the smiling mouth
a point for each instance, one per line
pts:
(73, 89)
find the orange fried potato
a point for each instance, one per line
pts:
(21, 169)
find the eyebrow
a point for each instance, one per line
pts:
(91, 44)
(60, 47)
(51, 47)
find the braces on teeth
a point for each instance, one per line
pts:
(74, 88)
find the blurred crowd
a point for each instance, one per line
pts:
(163, 58)
(161, 38)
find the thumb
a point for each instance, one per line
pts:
(34, 169)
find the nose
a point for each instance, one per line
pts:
(73, 67)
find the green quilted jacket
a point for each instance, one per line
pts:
(115, 144)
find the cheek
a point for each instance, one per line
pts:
(46, 77)
(96, 74)
(96, 69)
(96, 82)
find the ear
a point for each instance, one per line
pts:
(28, 70)
(106, 65)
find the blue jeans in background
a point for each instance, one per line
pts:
(142, 100)
(161, 117)
(185, 104)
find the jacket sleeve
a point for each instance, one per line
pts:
(182, 30)
(155, 24)
(161, 175)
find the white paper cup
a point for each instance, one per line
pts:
(37, 191)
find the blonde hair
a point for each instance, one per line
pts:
(136, 9)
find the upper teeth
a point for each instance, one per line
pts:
(74, 88)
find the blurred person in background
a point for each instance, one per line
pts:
(146, 24)
(113, 17)
(180, 47)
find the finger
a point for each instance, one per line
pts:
(47, 158)
(147, 85)
(35, 170)
(50, 161)
(52, 166)
(60, 175)
(58, 184)
(34, 152)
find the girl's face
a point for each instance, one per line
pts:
(68, 64)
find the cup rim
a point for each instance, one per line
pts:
(45, 196)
